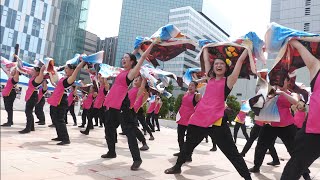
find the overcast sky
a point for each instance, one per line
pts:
(245, 16)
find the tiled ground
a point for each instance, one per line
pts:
(33, 156)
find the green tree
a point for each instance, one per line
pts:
(177, 103)
(167, 104)
(234, 105)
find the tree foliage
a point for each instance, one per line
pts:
(167, 104)
(234, 105)
(177, 103)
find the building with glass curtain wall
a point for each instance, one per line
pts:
(70, 37)
(143, 18)
(31, 24)
(196, 26)
(43, 28)
(109, 45)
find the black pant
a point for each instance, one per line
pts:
(58, 114)
(254, 134)
(306, 151)
(90, 114)
(155, 121)
(212, 139)
(85, 113)
(148, 120)
(98, 115)
(267, 138)
(39, 110)
(30, 104)
(223, 137)
(142, 121)
(8, 104)
(138, 133)
(236, 129)
(129, 125)
(181, 130)
(71, 110)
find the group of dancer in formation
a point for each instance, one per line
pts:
(200, 115)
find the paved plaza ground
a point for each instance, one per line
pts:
(34, 156)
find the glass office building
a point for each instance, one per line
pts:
(143, 18)
(196, 26)
(70, 37)
(31, 24)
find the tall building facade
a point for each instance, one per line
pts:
(43, 28)
(302, 15)
(70, 34)
(143, 18)
(196, 26)
(30, 23)
(109, 45)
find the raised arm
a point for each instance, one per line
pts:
(233, 77)
(106, 84)
(73, 77)
(39, 78)
(133, 72)
(312, 63)
(16, 75)
(206, 60)
(44, 85)
(293, 98)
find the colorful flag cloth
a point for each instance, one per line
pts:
(231, 51)
(245, 107)
(156, 77)
(95, 58)
(263, 89)
(7, 65)
(109, 71)
(288, 58)
(173, 43)
(24, 67)
(269, 112)
(190, 74)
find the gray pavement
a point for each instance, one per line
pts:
(33, 156)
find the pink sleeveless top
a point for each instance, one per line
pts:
(88, 102)
(186, 109)
(57, 94)
(299, 118)
(117, 92)
(157, 108)
(70, 98)
(151, 107)
(30, 89)
(241, 116)
(100, 98)
(286, 118)
(211, 107)
(259, 123)
(40, 94)
(7, 89)
(313, 120)
(132, 94)
(139, 102)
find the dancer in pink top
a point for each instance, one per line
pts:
(188, 103)
(88, 108)
(155, 117)
(72, 98)
(240, 123)
(98, 108)
(59, 102)
(209, 115)
(118, 103)
(32, 97)
(9, 95)
(307, 141)
(38, 110)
